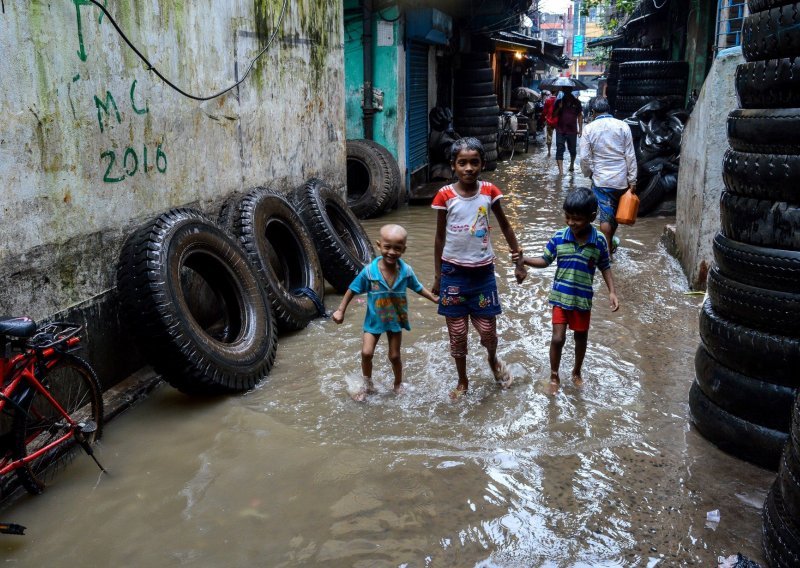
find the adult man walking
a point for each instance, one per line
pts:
(569, 111)
(607, 157)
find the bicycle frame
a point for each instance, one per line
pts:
(21, 368)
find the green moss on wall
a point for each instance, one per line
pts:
(319, 23)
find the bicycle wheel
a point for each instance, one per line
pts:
(74, 385)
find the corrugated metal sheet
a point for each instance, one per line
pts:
(417, 106)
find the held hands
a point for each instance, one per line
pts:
(613, 301)
(437, 280)
(520, 273)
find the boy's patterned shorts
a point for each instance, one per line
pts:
(465, 291)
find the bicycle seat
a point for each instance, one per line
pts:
(17, 326)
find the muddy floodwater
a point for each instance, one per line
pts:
(296, 474)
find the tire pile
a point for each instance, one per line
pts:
(476, 107)
(374, 183)
(624, 55)
(657, 132)
(643, 81)
(747, 365)
(781, 513)
(205, 299)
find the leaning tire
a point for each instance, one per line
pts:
(760, 222)
(751, 442)
(754, 307)
(224, 344)
(781, 535)
(759, 402)
(775, 177)
(370, 183)
(766, 267)
(342, 244)
(766, 131)
(763, 355)
(280, 247)
(774, 83)
(390, 166)
(789, 480)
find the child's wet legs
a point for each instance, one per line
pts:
(395, 340)
(487, 329)
(457, 330)
(581, 339)
(556, 347)
(368, 344)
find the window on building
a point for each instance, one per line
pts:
(730, 15)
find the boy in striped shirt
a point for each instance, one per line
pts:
(578, 249)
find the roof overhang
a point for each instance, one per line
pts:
(550, 53)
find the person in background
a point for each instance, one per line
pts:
(569, 112)
(608, 158)
(549, 119)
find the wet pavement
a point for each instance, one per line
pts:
(296, 474)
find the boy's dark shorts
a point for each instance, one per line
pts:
(576, 320)
(464, 291)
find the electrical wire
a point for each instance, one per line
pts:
(158, 74)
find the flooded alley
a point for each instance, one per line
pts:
(295, 473)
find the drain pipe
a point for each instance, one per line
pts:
(366, 38)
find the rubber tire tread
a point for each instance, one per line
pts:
(780, 542)
(634, 103)
(774, 177)
(760, 222)
(481, 75)
(26, 477)
(341, 259)
(767, 267)
(755, 307)
(476, 89)
(771, 34)
(476, 131)
(254, 211)
(489, 120)
(762, 355)
(625, 54)
(733, 435)
(774, 83)
(186, 357)
(654, 70)
(764, 131)
(380, 190)
(789, 480)
(651, 196)
(474, 102)
(652, 87)
(759, 402)
(487, 110)
(761, 5)
(475, 60)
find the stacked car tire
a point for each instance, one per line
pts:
(625, 55)
(642, 81)
(781, 513)
(747, 365)
(373, 179)
(476, 108)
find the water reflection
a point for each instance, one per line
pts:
(295, 473)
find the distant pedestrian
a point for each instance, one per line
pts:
(608, 158)
(464, 260)
(385, 281)
(550, 120)
(578, 249)
(569, 112)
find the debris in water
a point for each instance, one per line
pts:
(713, 516)
(736, 561)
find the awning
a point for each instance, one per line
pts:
(550, 53)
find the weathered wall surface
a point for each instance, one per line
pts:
(700, 176)
(93, 142)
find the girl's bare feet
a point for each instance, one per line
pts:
(577, 380)
(399, 389)
(369, 386)
(457, 393)
(555, 383)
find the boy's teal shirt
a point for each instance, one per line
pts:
(387, 307)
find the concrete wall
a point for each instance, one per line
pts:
(93, 142)
(700, 175)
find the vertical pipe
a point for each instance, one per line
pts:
(366, 38)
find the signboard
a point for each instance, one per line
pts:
(577, 45)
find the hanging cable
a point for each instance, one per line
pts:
(158, 74)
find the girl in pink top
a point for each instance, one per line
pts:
(464, 259)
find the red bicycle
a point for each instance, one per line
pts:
(50, 400)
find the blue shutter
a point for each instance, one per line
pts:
(417, 106)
